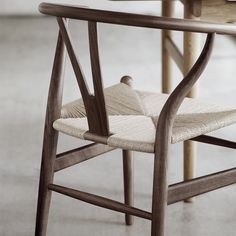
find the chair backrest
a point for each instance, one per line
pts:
(94, 103)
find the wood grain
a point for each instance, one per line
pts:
(218, 11)
(94, 104)
(166, 70)
(180, 191)
(100, 201)
(163, 138)
(99, 125)
(175, 54)
(128, 182)
(215, 141)
(78, 155)
(192, 43)
(50, 138)
(112, 17)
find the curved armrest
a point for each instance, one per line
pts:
(112, 17)
(170, 109)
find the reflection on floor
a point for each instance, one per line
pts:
(26, 53)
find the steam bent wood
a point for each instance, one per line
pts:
(163, 138)
(139, 20)
(176, 98)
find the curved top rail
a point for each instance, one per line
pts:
(139, 20)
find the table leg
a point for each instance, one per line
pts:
(192, 42)
(168, 11)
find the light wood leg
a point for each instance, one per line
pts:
(128, 182)
(192, 42)
(167, 10)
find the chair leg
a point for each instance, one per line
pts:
(50, 138)
(159, 206)
(160, 186)
(46, 177)
(128, 182)
(167, 11)
(192, 45)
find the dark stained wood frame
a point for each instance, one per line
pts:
(130, 19)
(99, 125)
(50, 138)
(94, 104)
(78, 155)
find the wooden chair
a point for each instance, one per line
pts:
(121, 117)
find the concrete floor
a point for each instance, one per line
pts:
(26, 53)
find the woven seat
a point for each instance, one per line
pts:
(133, 116)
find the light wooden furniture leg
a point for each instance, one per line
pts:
(128, 182)
(50, 140)
(192, 42)
(167, 10)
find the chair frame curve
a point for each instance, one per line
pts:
(163, 137)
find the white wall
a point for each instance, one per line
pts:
(21, 7)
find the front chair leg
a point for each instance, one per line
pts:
(160, 188)
(46, 178)
(128, 182)
(50, 139)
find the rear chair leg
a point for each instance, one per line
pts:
(128, 168)
(128, 182)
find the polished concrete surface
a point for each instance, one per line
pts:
(26, 53)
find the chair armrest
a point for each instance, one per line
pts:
(176, 98)
(139, 20)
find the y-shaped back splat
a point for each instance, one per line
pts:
(94, 103)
